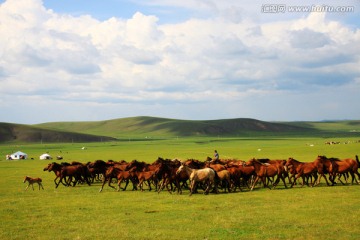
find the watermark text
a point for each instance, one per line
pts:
(283, 8)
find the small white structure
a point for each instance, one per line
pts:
(45, 156)
(18, 155)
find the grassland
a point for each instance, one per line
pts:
(82, 213)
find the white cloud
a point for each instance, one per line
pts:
(217, 60)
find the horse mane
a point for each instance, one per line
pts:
(293, 159)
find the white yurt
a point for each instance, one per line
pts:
(18, 155)
(45, 156)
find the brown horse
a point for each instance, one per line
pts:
(225, 179)
(206, 175)
(216, 166)
(56, 168)
(121, 175)
(148, 176)
(346, 166)
(78, 171)
(324, 166)
(96, 169)
(264, 171)
(301, 169)
(31, 182)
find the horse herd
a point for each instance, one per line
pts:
(209, 175)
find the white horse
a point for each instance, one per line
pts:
(31, 181)
(206, 175)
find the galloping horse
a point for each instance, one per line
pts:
(199, 175)
(324, 165)
(301, 169)
(31, 181)
(263, 171)
(339, 167)
(56, 168)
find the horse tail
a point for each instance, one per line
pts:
(217, 178)
(357, 159)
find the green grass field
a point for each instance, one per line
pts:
(82, 212)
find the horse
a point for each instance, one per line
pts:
(263, 171)
(169, 177)
(301, 169)
(199, 175)
(225, 179)
(145, 176)
(56, 168)
(120, 175)
(342, 167)
(324, 166)
(78, 171)
(216, 166)
(31, 182)
(97, 169)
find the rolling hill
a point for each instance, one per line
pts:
(164, 127)
(152, 127)
(10, 132)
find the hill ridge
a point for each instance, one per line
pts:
(157, 127)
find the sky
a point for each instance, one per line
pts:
(90, 60)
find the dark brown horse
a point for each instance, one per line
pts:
(121, 175)
(56, 168)
(264, 171)
(301, 169)
(97, 169)
(340, 167)
(148, 176)
(324, 166)
(78, 172)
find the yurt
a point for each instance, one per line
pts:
(45, 156)
(18, 155)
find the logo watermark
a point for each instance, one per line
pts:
(283, 8)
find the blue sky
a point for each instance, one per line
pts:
(88, 60)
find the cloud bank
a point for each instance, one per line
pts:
(60, 67)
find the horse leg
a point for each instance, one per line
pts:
(339, 178)
(323, 175)
(192, 186)
(27, 187)
(215, 190)
(103, 183)
(126, 184)
(263, 179)
(357, 174)
(109, 184)
(352, 177)
(162, 185)
(295, 179)
(207, 189)
(57, 184)
(254, 183)
(283, 179)
(148, 181)
(276, 182)
(140, 184)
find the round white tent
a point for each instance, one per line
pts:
(45, 156)
(18, 155)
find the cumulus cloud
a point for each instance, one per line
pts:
(225, 58)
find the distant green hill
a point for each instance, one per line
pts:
(152, 127)
(10, 132)
(164, 127)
